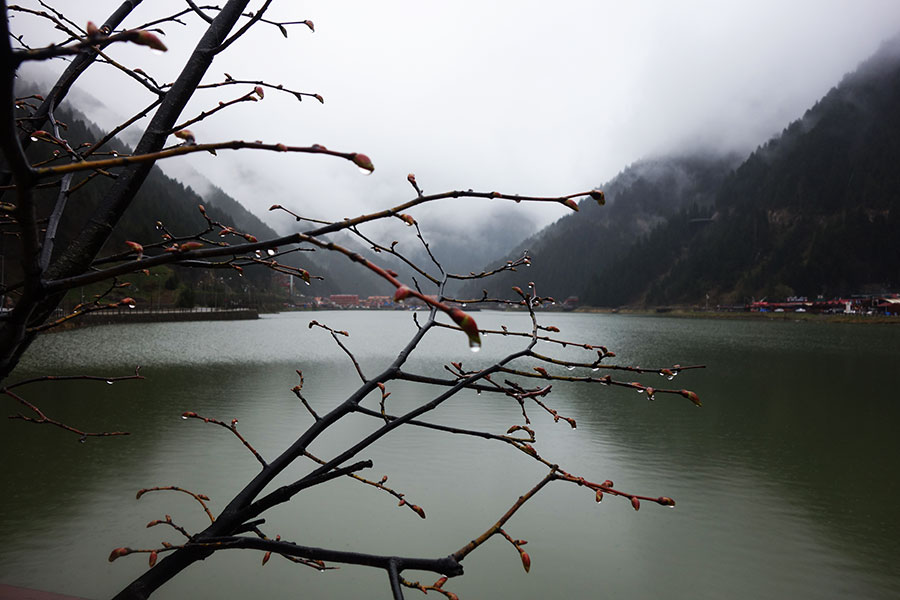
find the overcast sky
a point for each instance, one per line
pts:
(522, 97)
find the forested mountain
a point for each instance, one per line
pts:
(568, 254)
(815, 210)
(163, 200)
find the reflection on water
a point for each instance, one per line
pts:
(785, 480)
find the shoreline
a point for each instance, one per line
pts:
(677, 313)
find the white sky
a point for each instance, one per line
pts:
(522, 97)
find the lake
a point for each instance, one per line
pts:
(786, 481)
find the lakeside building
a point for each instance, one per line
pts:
(887, 304)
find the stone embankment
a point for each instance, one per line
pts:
(163, 315)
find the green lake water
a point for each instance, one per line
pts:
(786, 480)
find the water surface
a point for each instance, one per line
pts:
(785, 479)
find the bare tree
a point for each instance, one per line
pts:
(46, 275)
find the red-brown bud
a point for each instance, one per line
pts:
(363, 162)
(608, 483)
(599, 496)
(310, 24)
(542, 371)
(145, 38)
(599, 196)
(407, 219)
(665, 501)
(266, 557)
(319, 98)
(467, 324)
(403, 292)
(526, 561)
(691, 396)
(185, 134)
(571, 204)
(259, 92)
(118, 553)
(153, 557)
(635, 503)
(418, 510)
(440, 582)
(188, 246)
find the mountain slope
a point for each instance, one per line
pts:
(161, 199)
(815, 210)
(567, 254)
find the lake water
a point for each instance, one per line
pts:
(786, 480)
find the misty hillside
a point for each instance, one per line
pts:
(567, 254)
(815, 210)
(161, 199)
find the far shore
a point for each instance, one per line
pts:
(687, 313)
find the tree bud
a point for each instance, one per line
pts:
(403, 292)
(635, 503)
(259, 92)
(145, 38)
(153, 557)
(118, 553)
(526, 561)
(691, 396)
(135, 247)
(185, 134)
(599, 196)
(467, 324)
(363, 162)
(571, 204)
